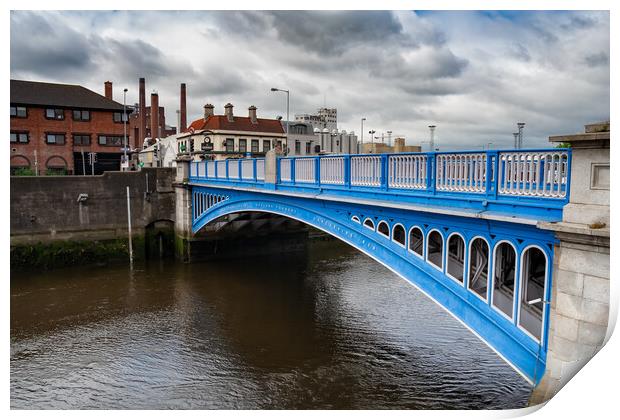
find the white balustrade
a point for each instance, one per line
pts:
(304, 169)
(233, 169)
(366, 171)
(260, 169)
(331, 170)
(285, 170)
(407, 171)
(247, 169)
(535, 174)
(221, 168)
(210, 169)
(461, 172)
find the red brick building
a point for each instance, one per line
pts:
(53, 125)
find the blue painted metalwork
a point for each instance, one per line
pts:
(482, 195)
(350, 204)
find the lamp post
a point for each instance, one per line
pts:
(520, 126)
(362, 131)
(287, 109)
(372, 133)
(125, 129)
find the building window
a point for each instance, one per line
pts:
(434, 252)
(105, 140)
(533, 279)
(55, 114)
(17, 137)
(230, 145)
(55, 138)
(479, 267)
(19, 112)
(81, 140)
(243, 145)
(254, 146)
(416, 241)
(504, 278)
(81, 115)
(297, 147)
(456, 257)
(308, 148)
(118, 117)
(266, 145)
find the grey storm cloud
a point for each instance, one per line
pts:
(38, 44)
(472, 74)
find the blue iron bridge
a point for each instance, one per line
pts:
(460, 226)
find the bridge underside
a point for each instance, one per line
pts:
(476, 269)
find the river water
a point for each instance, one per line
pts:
(327, 328)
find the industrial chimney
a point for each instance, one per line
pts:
(142, 112)
(183, 108)
(154, 115)
(252, 114)
(432, 141)
(108, 89)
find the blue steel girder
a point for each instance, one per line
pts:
(521, 350)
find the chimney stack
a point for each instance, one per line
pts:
(252, 114)
(142, 113)
(228, 111)
(183, 108)
(108, 89)
(208, 111)
(154, 115)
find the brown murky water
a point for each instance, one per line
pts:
(329, 328)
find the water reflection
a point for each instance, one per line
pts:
(324, 329)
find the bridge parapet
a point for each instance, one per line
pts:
(533, 183)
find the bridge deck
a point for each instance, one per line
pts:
(502, 185)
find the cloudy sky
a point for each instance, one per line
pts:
(473, 74)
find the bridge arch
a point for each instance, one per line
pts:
(357, 226)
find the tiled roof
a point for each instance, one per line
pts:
(220, 122)
(24, 92)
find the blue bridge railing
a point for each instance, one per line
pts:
(535, 178)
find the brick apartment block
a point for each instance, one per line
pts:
(61, 121)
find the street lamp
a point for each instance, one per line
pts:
(520, 126)
(287, 109)
(125, 128)
(372, 139)
(362, 131)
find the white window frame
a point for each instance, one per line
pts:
(544, 312)
(388, 226)
(443, 249)
(404, 232)
(356, 219)
(423, 256)
(464, 258)
(489, 272)
(371, 221)
(514, 294)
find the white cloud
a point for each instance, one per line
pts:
(473, 74)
